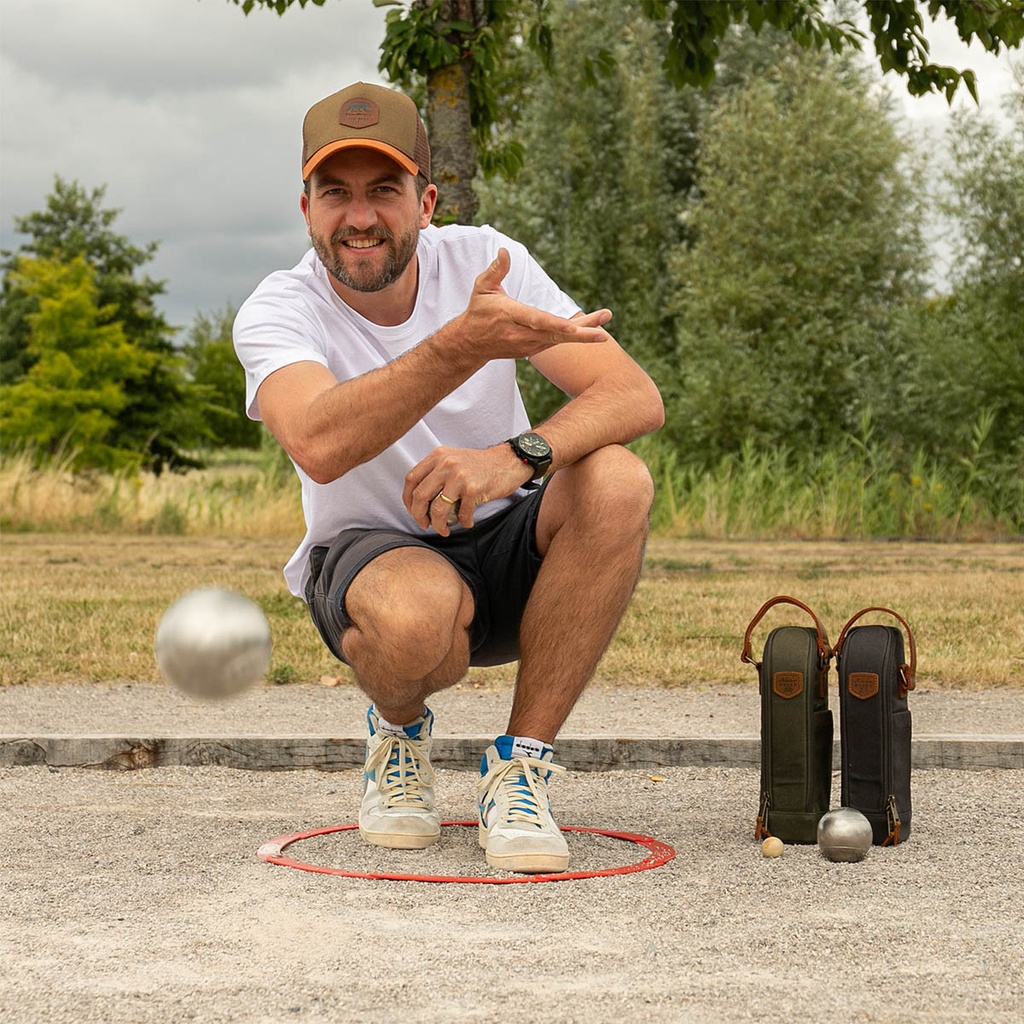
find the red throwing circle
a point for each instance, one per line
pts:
(658, 853)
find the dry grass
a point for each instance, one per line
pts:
(243, 499)
(86, 606)
(963, 602)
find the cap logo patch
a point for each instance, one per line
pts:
(359, 113)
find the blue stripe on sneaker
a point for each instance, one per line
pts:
(503, 744)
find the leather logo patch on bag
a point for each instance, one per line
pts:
(787, 684)
(862, 685)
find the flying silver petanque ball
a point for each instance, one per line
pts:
(844, 835)
(213, 643)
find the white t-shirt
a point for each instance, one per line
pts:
(296, 316)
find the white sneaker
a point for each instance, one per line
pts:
(516, 828)
(397, 809)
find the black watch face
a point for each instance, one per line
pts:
(534, 446)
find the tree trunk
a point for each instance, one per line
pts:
(452, 148)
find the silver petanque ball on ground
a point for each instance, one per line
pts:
(844, 835)
(213, 643)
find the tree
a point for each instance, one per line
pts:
(807, 240)
(986, 196)
(154, 420)
(970, 345)
(435, 40)
(214, 369)
(74, 223)
(609, 160)
(455, 46)
(896, 29)
(76, 388)
(447, 53)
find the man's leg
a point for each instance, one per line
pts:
(409, 638)
(411, 613)
(591, 530)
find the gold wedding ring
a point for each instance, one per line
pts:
(453, 511)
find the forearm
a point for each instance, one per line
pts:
(351, 422)
(607, 412)
(607, 409)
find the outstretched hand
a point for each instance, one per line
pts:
(506, 329)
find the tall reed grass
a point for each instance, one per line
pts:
(859, 490)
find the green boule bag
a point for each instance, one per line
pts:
(796, 726)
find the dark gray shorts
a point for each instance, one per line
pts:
(497, 558)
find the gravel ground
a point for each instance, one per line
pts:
(138, 897)
(154, 709)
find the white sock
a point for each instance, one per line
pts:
(527, 746)
(389, 728)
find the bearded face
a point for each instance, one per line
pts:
(366, 261)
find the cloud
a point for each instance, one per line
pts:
(189, 112)
(170, 48)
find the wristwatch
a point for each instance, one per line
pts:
(532, 449)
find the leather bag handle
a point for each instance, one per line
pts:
(908, 673)
(823, 648)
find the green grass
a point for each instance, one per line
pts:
(854, 491)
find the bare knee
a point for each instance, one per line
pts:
(618, 476)
(408, 624)
(610, 490)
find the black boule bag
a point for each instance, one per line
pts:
(796, 727)
(874, 723)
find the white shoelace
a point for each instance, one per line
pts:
(526, 790)
(401, 773)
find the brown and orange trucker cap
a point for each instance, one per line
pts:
(370, 117)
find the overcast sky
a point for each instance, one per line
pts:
(190, 113)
